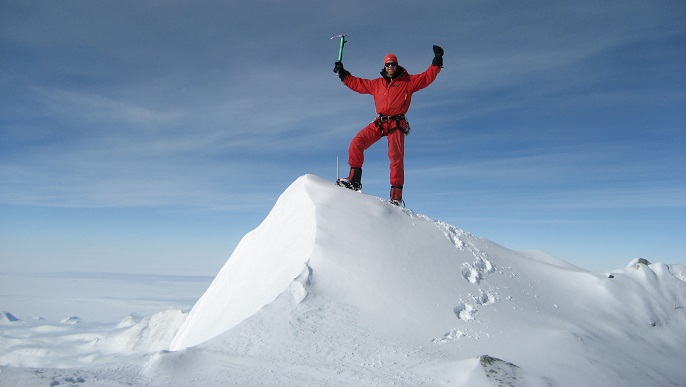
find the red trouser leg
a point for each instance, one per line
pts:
(396, 156)
(360, 143)
(369, 135)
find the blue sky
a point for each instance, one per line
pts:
(141, 137)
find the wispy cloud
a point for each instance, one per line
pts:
(204, 104)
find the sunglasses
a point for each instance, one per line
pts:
(391, 64)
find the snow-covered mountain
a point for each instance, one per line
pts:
(341, 288)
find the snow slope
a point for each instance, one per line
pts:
(340, 288)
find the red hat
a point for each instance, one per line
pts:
(390, 58)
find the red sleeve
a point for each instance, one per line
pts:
(420, 81)
(360, 85)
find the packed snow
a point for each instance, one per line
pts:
(341, 288)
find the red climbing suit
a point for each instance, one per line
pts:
(392, 97)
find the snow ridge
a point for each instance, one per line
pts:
(341, 288)
(258, 271)
(395, 273)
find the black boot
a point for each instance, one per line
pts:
(396, 195)
(353, 181)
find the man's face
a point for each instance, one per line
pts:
(391, 68)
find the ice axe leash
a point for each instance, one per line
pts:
(340, 47)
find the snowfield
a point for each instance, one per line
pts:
(343, 289)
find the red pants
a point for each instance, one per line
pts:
(369, 135)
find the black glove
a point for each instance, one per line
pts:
(438, 56)
(338, 69)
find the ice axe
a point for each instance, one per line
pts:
(340, 47)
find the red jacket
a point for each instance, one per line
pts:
(393, 96)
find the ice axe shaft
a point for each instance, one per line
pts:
(340, 47)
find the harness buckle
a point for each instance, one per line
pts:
(398, 117)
